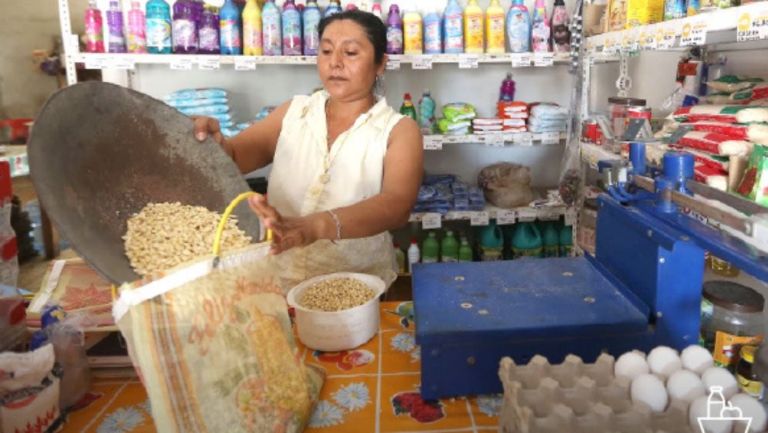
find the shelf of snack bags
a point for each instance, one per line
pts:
(737, 24)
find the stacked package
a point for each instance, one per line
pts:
(485, 126)
(210, 102)
(547, 118)
(717, 133)
(444, 193)
(457, 119)
(731, 89)
(513, 115)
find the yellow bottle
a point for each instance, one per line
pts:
(252, 34)
(473, 28)
(413, 34)
(494, 28)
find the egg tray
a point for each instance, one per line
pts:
(576, 397)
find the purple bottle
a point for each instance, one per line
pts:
(507, 91)
(184, 27)
(394, 31)
(116, 42)
(209, 33)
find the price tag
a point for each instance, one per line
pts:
(752, 28)
(526, 215)
(393, 63)
(245, 63)
(570, 217)
(550, 138)
(469, 61)
(122, 63)
(209, 63)
(422, 62)
(433, 142)
(72, 44)
(479, 219)
(668, 36)
(693, 33)
(495, 140)
(648, 41)
(523, 139)
(431, 221)
(628, 42)
(506, 217)
(182, 64)
(549, 214)
(521, 60)
(95, 62)
(543, 60)
(609, 47)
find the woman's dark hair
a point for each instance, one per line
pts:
(371, 24)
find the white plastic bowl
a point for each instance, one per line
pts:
(333, 331)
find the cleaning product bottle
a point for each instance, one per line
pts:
(137, 39)
(453, 28)
(94, 28)
(465, 251)
(491, 243)
(551, 239)
(433, 33)
(413, 33)
(252, 41)
(158, 27)
(473, 28)
(394, 31)
(414, 254)
(430, 250)
(566, 241)
(229, 28)
(427, 108)
(377, 11)
(519, 28)
(449, 248)
(494, 28)
(311, 17)
(184, 28)
(333, 8)
(400, 258)
(291, 20)
(208, 38)
(351, 7)
(272, 29)
(540, 30)
(507, 91)
(115, 23)
(526, 240)
(561, 34)
(407, 108)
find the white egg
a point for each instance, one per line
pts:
(718, 376)
(664, 361)
(685, 385)
(650, 390)
(751, 408)
(631, 365)
(698, 409)
(696, 359)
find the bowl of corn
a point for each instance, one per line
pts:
(337, 311)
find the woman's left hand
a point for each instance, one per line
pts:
(287, 232)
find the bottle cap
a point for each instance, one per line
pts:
(407, 96)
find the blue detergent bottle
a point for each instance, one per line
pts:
(229, 28)
(453, 28)
(158, 21)
(311, 19)
(433, 33)
(519, 28)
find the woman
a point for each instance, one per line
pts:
(346, 166)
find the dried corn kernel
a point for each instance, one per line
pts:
(336, 295)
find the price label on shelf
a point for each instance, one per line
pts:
(433, 142)
(550, 138)
(122, 63)
(609, 46)
(209, 63)
(668, 37)
(393, 63)
(95, 62)
(526, 215)
(570, 217)
(182, 64)
(421, 62)
(495, 140)
(431, 221)
(521, 60)
(543, 59)
(629, 42)
(694, 33)
(469, 61)
(549, 214)
(506, 217)
(245, 63)
(72, 44)
(479, 219)
(752, 27)
(648, 39)
(523, 139)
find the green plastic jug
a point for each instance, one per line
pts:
(449, 248)
(465, 251)
(430, 250)
(551, 238)
(526, 241)
(566, 241)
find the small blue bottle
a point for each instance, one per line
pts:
(229, 29)
(158, 22)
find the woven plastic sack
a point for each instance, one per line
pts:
(214, 348)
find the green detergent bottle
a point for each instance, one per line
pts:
(551, 238)
(526, 241)
(465, 251)
(491, 243)
(430, 250)
(566, 241)
(449, 248)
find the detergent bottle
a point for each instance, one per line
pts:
(566, 241)
(507, 90)
(561, 34)
(433, 33)
(158, 27)
(377, 11)
(427, 108)
(526, 241)
(208, 32)
(394, 31)
(333, 8)
(184, 34)
(94, 28)
(465, 251)
(407, 109)
(252, 40)
(311, 20)
(271, 29)
(116, 42)
(473, 28)
(137, 39)
(229, 28)
(491, 243)
(453, 28)
(291, 20)
(430, 250)
(519, 28)
(540, 30)
(414, 254)
(494, 28)
(449, 248)
(413, 32)
(551, 239)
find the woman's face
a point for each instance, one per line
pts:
(346, 61)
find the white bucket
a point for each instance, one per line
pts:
(333, 331)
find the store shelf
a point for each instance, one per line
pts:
(244, 63)
(502, 216)
(436, 142)
(737, 24)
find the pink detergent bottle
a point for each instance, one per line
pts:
(137, 38)
(94, 29)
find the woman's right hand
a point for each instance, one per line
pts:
(209, 127)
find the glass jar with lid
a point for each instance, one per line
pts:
(731, 317)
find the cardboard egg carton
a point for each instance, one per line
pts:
(576, 397)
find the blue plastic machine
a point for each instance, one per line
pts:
(641, 289)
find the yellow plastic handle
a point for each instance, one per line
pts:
(225, 217)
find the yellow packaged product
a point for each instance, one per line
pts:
(642, 12)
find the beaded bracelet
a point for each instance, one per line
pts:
(338, 224)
